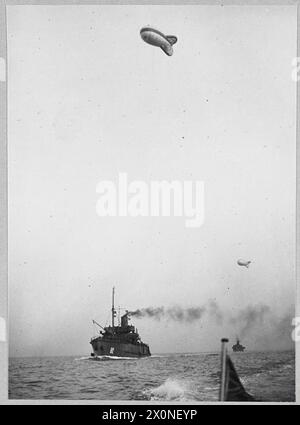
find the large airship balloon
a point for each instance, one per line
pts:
(244, 263)
(157, 38)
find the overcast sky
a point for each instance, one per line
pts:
(89, 99)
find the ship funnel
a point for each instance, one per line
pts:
(124, 320)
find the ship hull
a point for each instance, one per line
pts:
(119, 349)
(238, 347)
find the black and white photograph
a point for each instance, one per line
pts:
(151, 175)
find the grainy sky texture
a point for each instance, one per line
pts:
(89, 99)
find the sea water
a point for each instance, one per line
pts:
(268, 376)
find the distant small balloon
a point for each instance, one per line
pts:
(157, 38)
(244, 263)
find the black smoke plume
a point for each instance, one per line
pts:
(176, 313)
(181, 314)
(250, 317)
(255, 324)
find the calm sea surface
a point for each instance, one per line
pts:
(268, 376)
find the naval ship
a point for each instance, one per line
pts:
(119, 341)
(238, 346)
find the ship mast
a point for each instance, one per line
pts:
(113, 312)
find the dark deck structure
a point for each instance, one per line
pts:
(119, 341)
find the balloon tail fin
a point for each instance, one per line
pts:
(167, 49)
(171, 39)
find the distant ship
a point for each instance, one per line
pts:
(119, 341)
(238, 346)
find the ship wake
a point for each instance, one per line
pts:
(108, 358)
(171, 390)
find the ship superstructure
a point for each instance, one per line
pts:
(238, 346)
(120, 341)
